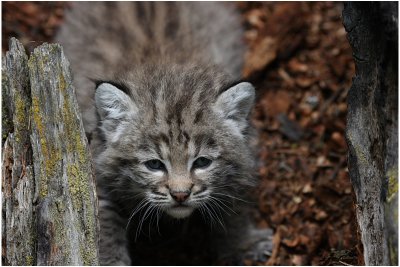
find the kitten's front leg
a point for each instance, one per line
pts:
(113, 240)
(243, 240)
(257, 243)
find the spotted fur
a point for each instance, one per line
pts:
(157, 82)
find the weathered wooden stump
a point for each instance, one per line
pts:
(49, 208)
(372, 126)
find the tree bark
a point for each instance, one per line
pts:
(372, 126)
(49, 208)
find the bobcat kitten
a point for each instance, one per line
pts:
(170, 126)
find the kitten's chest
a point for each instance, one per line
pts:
(173, 242)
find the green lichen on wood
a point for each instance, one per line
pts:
(79, 180)
(51, 155)
(393, 186)
(88, 252)
(361, 155)
(359, 151)
(77, 162)
(59, 145)
(76, 185)
(393, 255)
(14, 81)
(60, 236)
(89, 249)
(20, 247)
(76, 143)
(6, 122)
(20, 117)
(392, 213)
(30, 260)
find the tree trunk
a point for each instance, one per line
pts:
(372, 126)
(49, 208)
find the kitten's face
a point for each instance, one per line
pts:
(181, 171)
(176, 153)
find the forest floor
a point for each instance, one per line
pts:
(301, 64)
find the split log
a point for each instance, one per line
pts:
(49, 208)
(372, 126)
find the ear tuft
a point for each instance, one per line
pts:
(235, 104)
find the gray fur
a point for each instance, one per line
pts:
(100, 39)
(165, 92)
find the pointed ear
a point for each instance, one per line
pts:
(115, 109)
(235, 104)
(113, 103)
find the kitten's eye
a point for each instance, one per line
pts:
(201, 162)
(155, 165)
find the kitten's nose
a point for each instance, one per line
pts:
(180, 196)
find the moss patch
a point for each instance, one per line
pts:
(20, 117)
(51, 154)
(5, 117)
(393, 186)
(29, 259)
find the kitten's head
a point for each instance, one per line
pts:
(175, 139)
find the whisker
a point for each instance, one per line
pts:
(136, 210)
(218, 202)
(152, 213)
(218, 215)
(158, 218)
(226, 195)
(211, 214)
(202, 211)
(144, 217)
(205, 212)
(204, 194)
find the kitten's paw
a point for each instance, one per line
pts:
(258, 245)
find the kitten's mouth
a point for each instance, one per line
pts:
(180, 211)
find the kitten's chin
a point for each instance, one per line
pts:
(180, 212)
